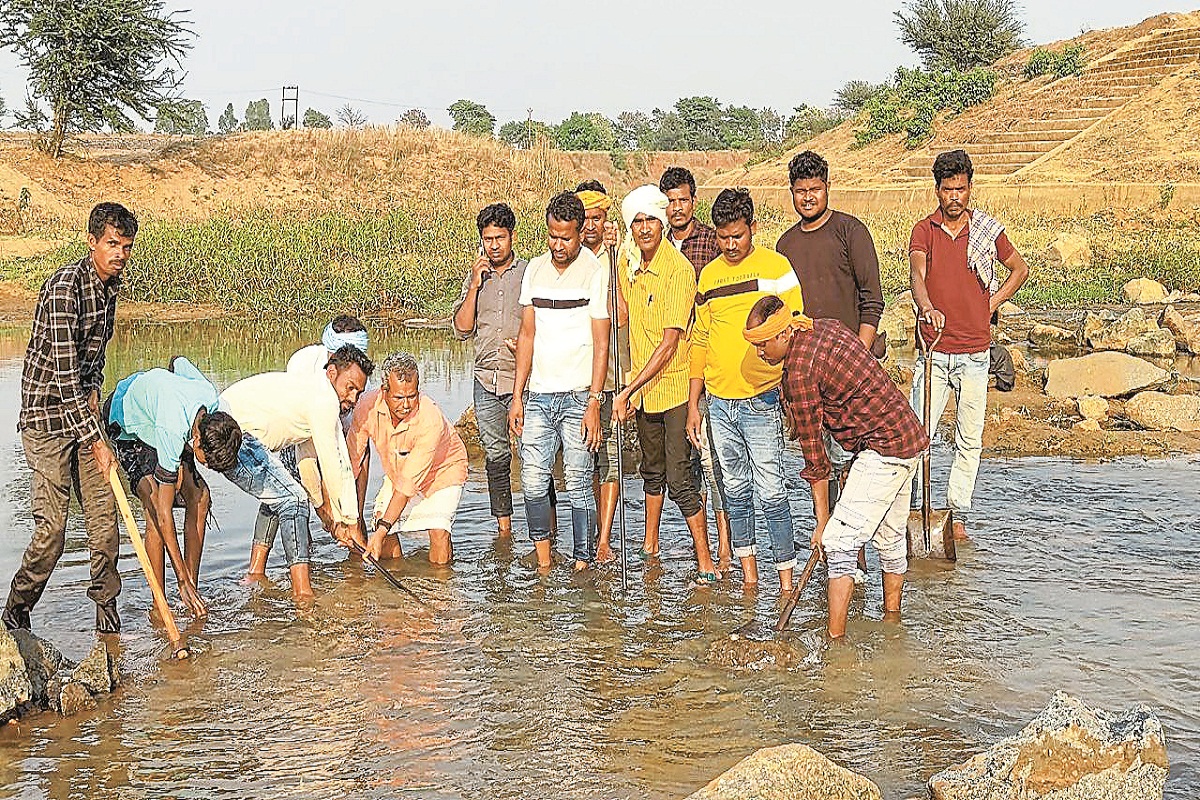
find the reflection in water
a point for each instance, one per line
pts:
(516, 685)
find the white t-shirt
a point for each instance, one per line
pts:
(308, 360)
(564, 306)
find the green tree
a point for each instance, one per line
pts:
(772, 124)
(741, 128)
(809, 121)
(960, 34)
(634, 130)
(471, 117)
(589, 131)
(415, 118)
(700, 121)
(181, 118)
(228, 123)
(258, 116)
(3, 110)
(95, 62)
(854, 95)
(524, 134)
(315, 119)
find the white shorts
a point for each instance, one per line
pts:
(435, 512)
(872, 508)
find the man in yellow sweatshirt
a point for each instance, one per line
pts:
(744, 405)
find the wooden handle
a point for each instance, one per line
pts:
(794, 598)
(139, 547)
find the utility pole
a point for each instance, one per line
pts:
(291, 94)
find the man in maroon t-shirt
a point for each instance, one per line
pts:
(952, 257)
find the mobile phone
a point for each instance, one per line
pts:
(487, 273)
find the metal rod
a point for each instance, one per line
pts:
(618, 428)
(392, 579)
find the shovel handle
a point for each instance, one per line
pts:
(179, 648)
(388, 576)
(786, 614)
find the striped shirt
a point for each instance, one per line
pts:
(660, 296)
(725, 294)
(564, 305)
(64, 363)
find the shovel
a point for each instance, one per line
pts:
(755, 631)
(930, 531)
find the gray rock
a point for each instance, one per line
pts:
(1103, 374)
(1117, 334)
(15, 690)
(42, 663)
(1186, 330)
(788, 772)
(1068, 752)
(1157, 411)
(74, 698)
(1041, 335)
(98, 670)
(1143, 290)
(1092, 322)
(1157, 343)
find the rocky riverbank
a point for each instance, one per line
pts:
(35, 676)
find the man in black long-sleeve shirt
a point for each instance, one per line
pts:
(59, 422)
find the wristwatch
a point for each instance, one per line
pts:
(597, 396)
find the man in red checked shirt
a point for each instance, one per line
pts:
(831, 379)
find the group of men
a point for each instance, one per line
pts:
(720, 342)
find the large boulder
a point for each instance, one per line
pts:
(1186, 330)
(1117, 334)
(15, 690)
(1068, 752)
(1157, 411)
(1103, 374)
(1069, 251)
(1051, 336)
(42, 663)
(1143, 291)
(1158, 343)
(787, 772)
(899, 320)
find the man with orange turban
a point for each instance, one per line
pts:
(831, 379)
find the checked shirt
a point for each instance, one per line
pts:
(830, 379)
(701, 247)
(64, 362)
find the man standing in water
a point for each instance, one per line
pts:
(562, 356)
(657, 292)
(277, 409)
(60, 418)
(698, 242)
(596, 205)
(162, 422)
(832, 383)
(743, 392)
(952, 258)
(423, 457)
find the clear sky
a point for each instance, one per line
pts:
(512, 55)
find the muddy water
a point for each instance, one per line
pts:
(1082, 577)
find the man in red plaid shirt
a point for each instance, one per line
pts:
(830, 378)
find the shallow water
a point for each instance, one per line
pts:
(1081, 577)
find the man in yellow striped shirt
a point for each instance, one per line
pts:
(744, 404)
(657, 287)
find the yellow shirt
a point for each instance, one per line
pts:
(725, 293)
(660, 295)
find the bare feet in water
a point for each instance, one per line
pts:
(960, 532)
(605, 554)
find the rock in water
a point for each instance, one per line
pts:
(788, 772)
(1041, 335)
(1143, 290)
(1069, 752)
(1186, 330)
(98, 670)
(1157, 343)
(42, 663)
(15, 690)
(1117, 334)
(1104, 374)
(1157, 411)
(74, 698)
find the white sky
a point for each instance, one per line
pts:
(512, 55)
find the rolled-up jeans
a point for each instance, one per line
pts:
(552, 420)
(966, 374)
(284, 502)
(748, 438)
(705, 464)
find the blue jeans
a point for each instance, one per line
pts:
(552, 420)
(260, 474)
(966, 374)
(748, 437)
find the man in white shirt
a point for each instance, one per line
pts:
(277, 409)
(344, 329)
(562, 359)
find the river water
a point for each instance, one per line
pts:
(1082, 577)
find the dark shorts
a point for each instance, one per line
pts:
(139, 460)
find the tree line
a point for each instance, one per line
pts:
(94, 67)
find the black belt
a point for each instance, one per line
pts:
(542, 302)
(727, 291)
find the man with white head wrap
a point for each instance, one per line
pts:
(657, 287)
(342, 330)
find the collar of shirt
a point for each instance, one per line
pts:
(94, 284)
(938, 219)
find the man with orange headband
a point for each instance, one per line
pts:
(831, 380)
(596, 204)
